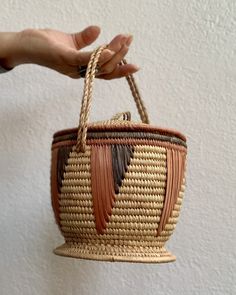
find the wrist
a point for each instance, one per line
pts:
(7, 48)
(11, 50)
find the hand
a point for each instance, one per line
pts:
(62, 52)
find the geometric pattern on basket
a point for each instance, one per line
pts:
(175, 170)
(138, 206)
(121, 156)
(108, 166)
(63, 155)
(102, 185)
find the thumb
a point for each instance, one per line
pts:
(86, 37)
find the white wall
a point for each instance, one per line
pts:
(186, 51)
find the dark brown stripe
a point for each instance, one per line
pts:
(131, 127)
(121, 155)
(123, 141)
(107, 135)
(54, 186)
(63, 155)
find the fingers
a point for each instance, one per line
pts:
(105, 56)
(112, 63)
(109, 61)
(78, 58)
(72, 69)
(120, 71)
(119, 40)
(86, 37)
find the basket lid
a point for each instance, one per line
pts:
(121, 126)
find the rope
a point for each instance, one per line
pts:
(87, 98)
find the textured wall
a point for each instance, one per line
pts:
(186, 51)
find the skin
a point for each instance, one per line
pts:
(63, 53)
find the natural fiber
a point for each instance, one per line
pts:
(117, 186)
(87, 98)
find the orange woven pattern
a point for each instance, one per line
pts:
(136, 212)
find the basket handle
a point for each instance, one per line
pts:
(87, 98)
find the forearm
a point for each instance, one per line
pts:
(13, 49)
(27, 46)
(8, 49)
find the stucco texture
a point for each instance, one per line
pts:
(186, 51)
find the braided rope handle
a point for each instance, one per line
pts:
(87, 98)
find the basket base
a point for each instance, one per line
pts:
(114, 253)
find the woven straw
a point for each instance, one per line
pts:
(117, 185)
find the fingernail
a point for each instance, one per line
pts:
(129, 40)
(136, 68)
(125, 39)
(128, 35)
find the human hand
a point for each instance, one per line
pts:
(62, 52)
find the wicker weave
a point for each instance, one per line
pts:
(117, 185)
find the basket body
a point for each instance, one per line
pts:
(120, 199)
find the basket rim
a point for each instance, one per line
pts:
(135, 127)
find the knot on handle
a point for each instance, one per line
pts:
(126, 116)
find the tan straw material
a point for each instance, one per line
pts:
(117, 185)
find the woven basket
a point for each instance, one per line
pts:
(117, 185)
